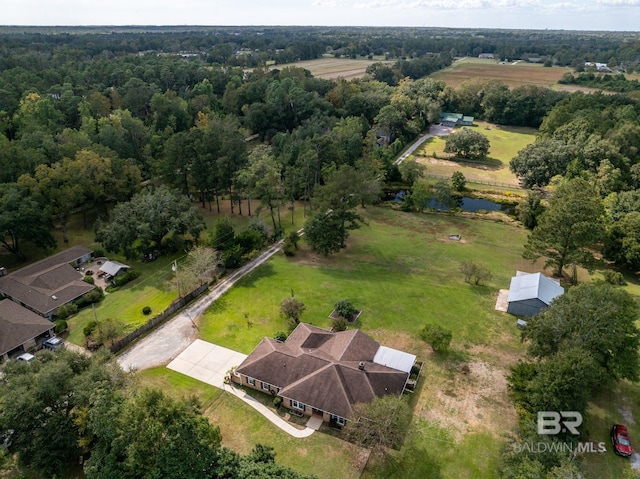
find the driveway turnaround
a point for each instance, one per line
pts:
(209, 363)
(206, 362)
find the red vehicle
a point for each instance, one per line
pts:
(620, 440)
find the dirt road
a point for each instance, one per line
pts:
(165, 343)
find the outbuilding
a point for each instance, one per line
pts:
(530, 293)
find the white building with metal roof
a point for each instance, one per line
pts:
(530, 293)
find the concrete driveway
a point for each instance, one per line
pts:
(206, 362)
(209, 363)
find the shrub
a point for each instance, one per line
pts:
(475, 272)
(458, 181)
(232, 257)
(126, 277)
(614, 277)
(249, 240)
(291, 309)
(289, 249)
(60, 326)
(66, 310)
(277, 402)
(339, 324)
(280, 336)
(293, 238)
(89, 328)
(146, 310)
(345, 309)
(88, 279)
(98, 253)
(94, 296)
(438, 338)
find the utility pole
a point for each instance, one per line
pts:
(174, 268)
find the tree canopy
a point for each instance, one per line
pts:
(569, 228)
(139, 226)
(468, 144)
(595, 317)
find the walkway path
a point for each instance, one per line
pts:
(165, 343)
(435, 130)
(209, 363)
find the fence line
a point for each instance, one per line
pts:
(482, 182)
(159, 319)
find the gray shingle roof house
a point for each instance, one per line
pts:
(321, 372)
(46, 285)
(530, 293)
(20, 329)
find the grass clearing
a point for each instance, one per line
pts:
(505, 143)
(403, 272)
(512, 74)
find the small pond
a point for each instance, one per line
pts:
(470, 204)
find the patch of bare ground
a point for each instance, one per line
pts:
(473, 398)
(463, 392)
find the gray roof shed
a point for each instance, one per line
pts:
(530, 293)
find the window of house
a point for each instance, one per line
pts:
(297, 405)
(338, 420)
(251, 381)
(266, 386)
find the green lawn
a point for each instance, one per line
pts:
(505, 143)
(402, 271)
(242, 427)
(155, 287)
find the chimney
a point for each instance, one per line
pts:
(361, 366)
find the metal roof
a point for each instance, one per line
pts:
(392, 358)
(113, 267)
(526, 286)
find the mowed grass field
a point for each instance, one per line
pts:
(512, 74)
(331, 68)
(505, 143)
(403, 272)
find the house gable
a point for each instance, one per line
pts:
(48, 284)
(18, 326)
(327, 371)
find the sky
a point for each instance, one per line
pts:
(611, 15)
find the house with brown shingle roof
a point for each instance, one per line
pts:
(21, 329)
(323, 373)
(46, 285)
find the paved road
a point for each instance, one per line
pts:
(165, 343)
(435, 130)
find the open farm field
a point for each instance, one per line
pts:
(505, 143)
(334, 68)
(512, 74)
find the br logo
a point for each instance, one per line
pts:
(553, 422)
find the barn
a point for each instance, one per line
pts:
(530, 293)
